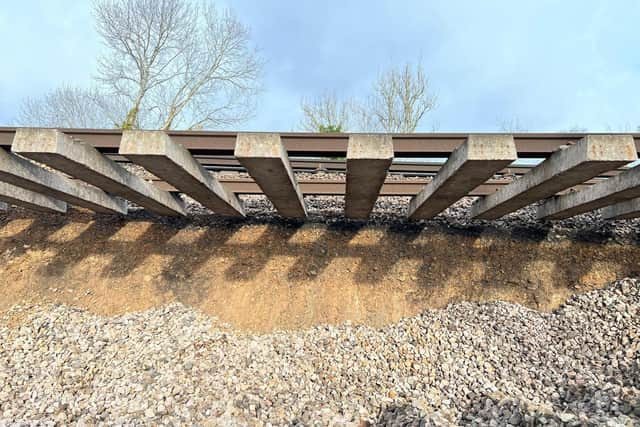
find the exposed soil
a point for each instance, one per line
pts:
(282, 275)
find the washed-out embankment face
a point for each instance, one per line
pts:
(279, 275)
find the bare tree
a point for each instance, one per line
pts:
(399, 100)
(362, 118)
(178, 64)
(512, 125)
(576, 128)
(69, 107)
(325, 114)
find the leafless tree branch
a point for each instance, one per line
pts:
(512, 125)
(398, 102)
(179, 64)
(325, 114)
(69, 107)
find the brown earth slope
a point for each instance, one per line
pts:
(262, 277)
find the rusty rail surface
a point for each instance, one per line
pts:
(208, 143)
(426, 168)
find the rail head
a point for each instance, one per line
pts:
(528, 145)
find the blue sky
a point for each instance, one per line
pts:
(549, 65)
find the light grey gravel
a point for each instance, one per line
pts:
(478, 364)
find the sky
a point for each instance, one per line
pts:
(539, 65)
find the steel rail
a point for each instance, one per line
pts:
(324, 144)
(336, 187)
(228, 163)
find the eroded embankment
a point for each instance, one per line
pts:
(262, 277)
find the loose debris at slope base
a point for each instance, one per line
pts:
(469, 363)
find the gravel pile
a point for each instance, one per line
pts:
(493, 363)
(321, 175)
(391, 212)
